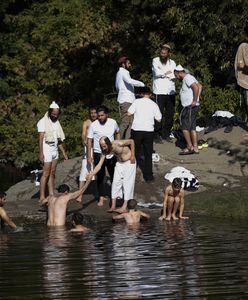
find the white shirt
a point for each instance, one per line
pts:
(163, 84)
(145, 111)
(98, 130)
(41, 128)
(125, 86)
(223, 113)
(186, 92)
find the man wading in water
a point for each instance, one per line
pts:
(57, 204)
(125, 169)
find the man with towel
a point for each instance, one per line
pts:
(51, 137)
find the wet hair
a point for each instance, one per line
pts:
(2, 194)
(63, 188)
(102, 108)
(177, 183)
(108, 143)
(131, 204)
(77, 218)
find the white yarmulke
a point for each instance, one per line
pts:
(54, 105)
(179, 68)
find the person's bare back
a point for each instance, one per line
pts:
(57, 210)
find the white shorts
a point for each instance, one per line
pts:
(50, 153)
(84, 170)
(124, 180)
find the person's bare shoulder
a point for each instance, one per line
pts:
(2, 211)
(181, 193)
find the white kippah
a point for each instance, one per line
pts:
(54, 105)
(179, 68)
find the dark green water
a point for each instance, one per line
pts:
(202, 258)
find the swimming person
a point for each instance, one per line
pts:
(57, 204)
(133, 216)
(124, 172)
(77, 223)
(173, 198)
(4, 218)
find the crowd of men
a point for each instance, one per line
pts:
(121, 149)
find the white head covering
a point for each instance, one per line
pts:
(179, 68)
(54, 105)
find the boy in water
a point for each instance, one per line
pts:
(173, 198)
(132, 216)
(77, 223)
(4, 218)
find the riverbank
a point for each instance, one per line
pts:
(221, 169)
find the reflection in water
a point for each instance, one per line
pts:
(196, 259)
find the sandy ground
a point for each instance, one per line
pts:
(224, 162)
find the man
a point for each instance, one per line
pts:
(125, 169)
(77, 223)
(132, 216)
(164, 90)
(51, 136)
(189, 96)
(241, 72)
(4, 218)
(86, 124)
(145, 111)
(57, 204)
(125, 88)
(103, 126)
(173, 198)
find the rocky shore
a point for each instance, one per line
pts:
(223, 165)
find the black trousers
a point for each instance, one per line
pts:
(144, 140)
(166, 104)
(110, 164)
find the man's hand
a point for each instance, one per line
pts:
(193, 104)
(89, 162)
(132, 159)
(41, 157)
(66, 157)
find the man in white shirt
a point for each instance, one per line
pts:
(189, 96)
(51, 137)
(103, 126)
(125, 88)
(164, 91)
(145, 111)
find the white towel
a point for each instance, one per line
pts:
(49, 130)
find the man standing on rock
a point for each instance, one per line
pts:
(145, 112)
(103, 126)
(164, 91)
(4, 218)
(51, 137)
(125, 169)
(85, 127)
(189, 96)
(125, 88)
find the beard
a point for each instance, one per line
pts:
(53, 119)
(102, 122)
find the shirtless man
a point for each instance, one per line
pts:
(86, 124)
(132, 216)
(173, 197)
(77, 223)
(125, 169)
(4, 218)
(57, 204)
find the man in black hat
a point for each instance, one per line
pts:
(145, 112)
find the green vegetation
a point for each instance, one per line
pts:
(67, 51)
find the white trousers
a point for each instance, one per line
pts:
(84, 170)
(124, 180)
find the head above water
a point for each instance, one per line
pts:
(131, 204)
(2, 198)
(102, 114)
(63, 188)
(177, 183)
(105, 144)
(77, 219)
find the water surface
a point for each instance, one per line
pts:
(201, 258)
